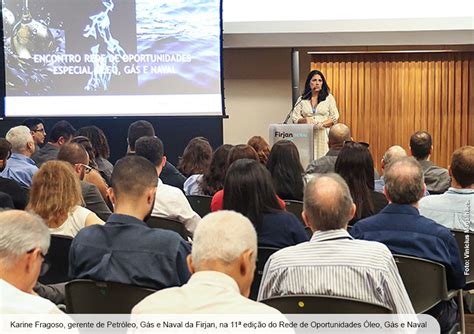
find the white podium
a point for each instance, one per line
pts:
(300, 134)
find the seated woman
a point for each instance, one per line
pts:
(55, 196)
(249, 190)
(237, 152)
(356, 166)
(261, 146)
(213, 180)
(286, 169)
(194, 163)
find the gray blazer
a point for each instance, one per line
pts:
(94, 201)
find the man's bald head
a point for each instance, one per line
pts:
(404, 182)
(338, 134)
(328, 203)
(393, 153)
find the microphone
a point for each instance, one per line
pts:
(297, 103)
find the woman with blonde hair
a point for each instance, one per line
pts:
(56, 197)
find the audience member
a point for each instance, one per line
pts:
(454, 209)
(354, 163)
(222, 264)
(338, 134)
(170, 175)
(332, 263)
(286, 170)
(125, 249)
(77, 156)
(100, 147)
(404, 231)
(56, 197)
(249, 190)
(260, 146)
(61, 133)
(213, 180)
(20, 167)
(437, 179)
(93, 176)
(37, 130)
(24, 240)
(194, 163)
(18, 194)
(170, 202)
(393, 153)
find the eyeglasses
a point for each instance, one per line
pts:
(87, 168)
(39, 130)
(363, 143)
(44, 265)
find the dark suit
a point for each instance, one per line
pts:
(437, 179)
(46, 153)
(18, 194)
(94, 200)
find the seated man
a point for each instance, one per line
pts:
(18, 194)
(125, 249)
(36, 126)
(223, 265)
(401, 227)
(77, 156)
(170, 202)
(61, 133)
(338, 134)
(455, 208)
(437, 179)
(170, 175)
(20, 167)
(390, 155)
(24, 240)
(332, 263)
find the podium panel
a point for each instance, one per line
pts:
(300, 134)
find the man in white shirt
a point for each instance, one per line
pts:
(170, 202)
(332, 262)
(24, 240)
(222, 264)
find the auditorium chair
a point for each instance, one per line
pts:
(296, 208)
(58, 260)
(92, 297)
(465, 241)
(169, 224)
(319, 304)
(426, 285)
(200, 204)
(263, 254)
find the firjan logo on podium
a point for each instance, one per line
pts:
(286, 135)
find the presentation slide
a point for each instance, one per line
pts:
(112, 57)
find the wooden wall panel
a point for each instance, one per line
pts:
(384, 98)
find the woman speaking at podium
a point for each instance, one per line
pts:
(318, 107)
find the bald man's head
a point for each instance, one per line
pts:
(338, 134)
(328, 203)
(404, 182)
(393, 153)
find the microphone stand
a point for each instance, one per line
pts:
(296, 104)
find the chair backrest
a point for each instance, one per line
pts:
(295, 207)
(88, 296)
(297, 304)
(465, 241)
(424, 280)
(58, 260)
(168, 224)
(263, 254)
(200, 204)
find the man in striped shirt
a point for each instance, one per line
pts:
(332, 262)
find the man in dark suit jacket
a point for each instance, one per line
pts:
(77, 156)
(404, 231)
(18, 194)
(170, 175)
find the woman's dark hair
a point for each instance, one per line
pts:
(261, 146)
(98, 140)
(286, 170)
(323, 93)
(354, 163)
(248, 189)
(196, 157)
(213, 179)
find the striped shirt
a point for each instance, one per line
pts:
(333, 263)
